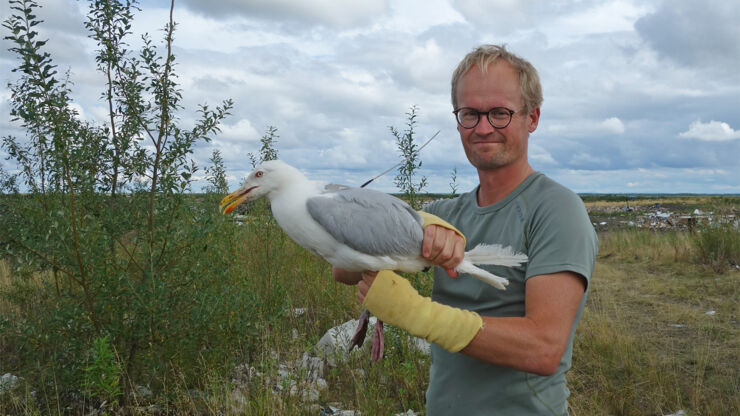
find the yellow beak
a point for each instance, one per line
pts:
(233, 200)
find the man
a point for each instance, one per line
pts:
(496, 352)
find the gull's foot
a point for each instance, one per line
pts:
(376, 353)
(359, 337)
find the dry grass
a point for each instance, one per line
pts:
(6, 279)
(677, 200)
(648, 342)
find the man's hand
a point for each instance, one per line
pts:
(443, 247)
(364, 285)
(346, 277)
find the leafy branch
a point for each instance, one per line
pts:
(404, 180)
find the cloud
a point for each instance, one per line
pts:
(241, 130)
(497, 16)
(426, 66)
(540, 156)
(586, 128)
(613, 125)
(714, 131)
(600, 18)
(692, 33)
(59, 16)
(339, 14)
(583, 160)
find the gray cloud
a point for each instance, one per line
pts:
(344, 14)
(692, 33)
(498, 16)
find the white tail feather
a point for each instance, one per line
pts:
(495, 254)
(490, 254)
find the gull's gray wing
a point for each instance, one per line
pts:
(369, 221)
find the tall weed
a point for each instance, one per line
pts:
(103, 372)
(636, 245)
(718, 246)
(409, 150)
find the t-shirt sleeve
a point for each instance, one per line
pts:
(560, 236)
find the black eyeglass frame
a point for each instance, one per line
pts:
(488, 116)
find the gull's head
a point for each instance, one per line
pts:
(267, 179)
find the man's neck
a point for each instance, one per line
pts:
(496, 184)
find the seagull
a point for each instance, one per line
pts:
(355, 229)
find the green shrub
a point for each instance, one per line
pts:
(718, 246)
(106, 244)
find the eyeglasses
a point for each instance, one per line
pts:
(499, 117)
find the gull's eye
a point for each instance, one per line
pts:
(259, 174)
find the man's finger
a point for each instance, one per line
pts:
(457, 253)
(364, 285)
(361, 290)
(428, 242)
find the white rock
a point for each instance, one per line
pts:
(336, 341)
(144, 392)
(335, 411)
(8, 382)
(311, 395)
(315, 367)
(710, 313)
(421, 345)
(243, 374)
(679, 413)
(239, 403)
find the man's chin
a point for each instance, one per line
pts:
(488, 161)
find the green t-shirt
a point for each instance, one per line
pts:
(549, 223)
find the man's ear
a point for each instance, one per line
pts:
(533, 119)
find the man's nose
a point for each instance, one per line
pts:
(484, 126)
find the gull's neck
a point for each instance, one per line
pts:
(297, 191)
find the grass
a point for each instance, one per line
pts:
(645, 345)
(685, 201)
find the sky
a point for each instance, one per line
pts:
(640, 96)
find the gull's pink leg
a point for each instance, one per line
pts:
(359, 337)
(378, 342)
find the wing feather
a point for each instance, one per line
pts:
(369, 221)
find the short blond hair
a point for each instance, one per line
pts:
(484, 55)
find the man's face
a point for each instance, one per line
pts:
(486, 147)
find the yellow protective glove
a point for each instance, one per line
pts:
(393, 300)
(431, 219)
